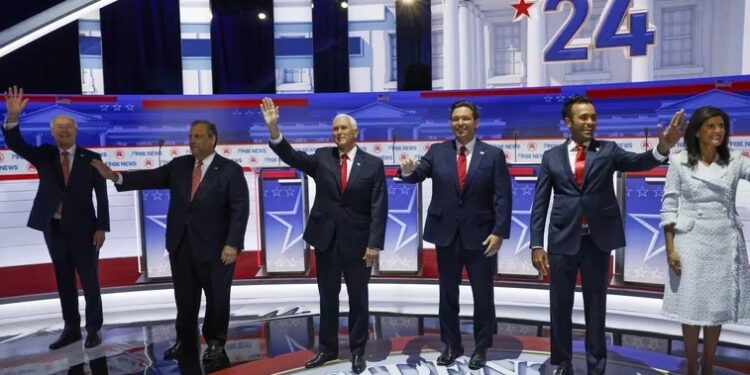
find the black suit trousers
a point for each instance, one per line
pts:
(563, 270)
(451, 260)
(190, 276)
(330, 265)
(67, 261)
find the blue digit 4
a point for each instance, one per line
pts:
(638, 36)
(556, 50)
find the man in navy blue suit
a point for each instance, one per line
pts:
(64, 211)
(585, 225)
(346, 227)
(468, 217)
(209, 207)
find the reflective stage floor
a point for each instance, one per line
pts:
(399, 344)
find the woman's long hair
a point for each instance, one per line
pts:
(691, 135)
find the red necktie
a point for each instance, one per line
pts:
(462, 168)
(196, 179)
(344, 158)
(66, 174)
(580, 166)
(66, 166)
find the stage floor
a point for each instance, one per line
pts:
(399, 344)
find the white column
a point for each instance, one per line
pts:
(642, 67)
(481, 53)
(487, 47)
(474, 51)
(746, 40)
(464, 36)
(450, 44)
(536, 39)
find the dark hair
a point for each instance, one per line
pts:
(210, 128)
(467, 104)
(691, 135)
(567, 110)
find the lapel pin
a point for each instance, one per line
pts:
(481, 152)
(357, 164)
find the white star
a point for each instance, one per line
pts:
(651, 251)
(527, 190)
(642, 191)
(522, 244)
(401, 242)
(237, 112)
(548, 99)
(103, 107)
(276, 215)
(276, 192)
(116, 107)
(130, 107)
(561, 98)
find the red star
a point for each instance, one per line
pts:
(522, 9)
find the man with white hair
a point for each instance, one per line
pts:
(346, 227)
(64, 211)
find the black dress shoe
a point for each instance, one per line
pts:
(358, 364)
(214, 352)
(478, 359)
(174, 351)
(449, 355)
(564, 370)
(319, 359)
(93, 340)
(66, 338)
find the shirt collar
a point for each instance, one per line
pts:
(349, 154)
(469, 146)
(572, 146)
(208, 159)
(71, 151)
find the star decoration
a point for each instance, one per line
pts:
(276, 215)
(402, 240)
(522, 9)
(523, 239)
(652, 250)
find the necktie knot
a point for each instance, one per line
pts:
(462, 150)
(581, 155)
(65, 154)
(344, 157)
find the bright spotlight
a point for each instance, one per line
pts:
(344, 4)
(262, 16)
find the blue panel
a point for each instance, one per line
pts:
(645, 256)
(196, 48)
(90, 45)
(282, 223)
(401, 250)
(304, 46)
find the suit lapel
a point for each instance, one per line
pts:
(476, 159)
(357, 165)
(57, 166)
(591, 154)
(452, 163)
(336, 166)
(211, 173)
(78, 162)
(564, 159)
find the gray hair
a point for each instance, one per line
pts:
(351, 119)
(71, 118)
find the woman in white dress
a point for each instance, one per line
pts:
(709, 279)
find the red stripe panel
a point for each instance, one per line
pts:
(656, 172)
(497, 92)
(72, 98)
(522, 171)
(391, 172)
(279, 174)
(217, 103)
(670, 90)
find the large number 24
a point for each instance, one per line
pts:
(637, 38)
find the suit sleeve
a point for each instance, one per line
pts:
(102, 200)
(670, 201)
(295, 159)
(17, 144)
(239, 209)
(541, 204)
(423, 171)
(503, 197)
(146, 179)
(630, 161)
(379, 208)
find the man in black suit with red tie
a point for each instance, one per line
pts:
(206, 223)
(64, 211)
(346, 227)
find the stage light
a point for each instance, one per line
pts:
(46, 22)
(344, 4)
(262, 16)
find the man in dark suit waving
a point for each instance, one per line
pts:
(585, 225)
(64, 211)
(346, 227)
(208, 212)
(468, 217)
